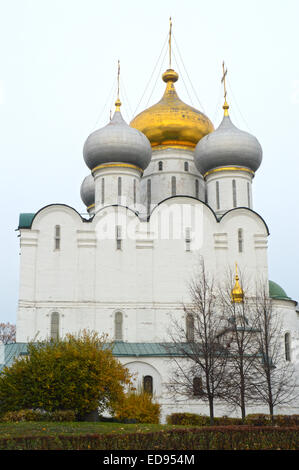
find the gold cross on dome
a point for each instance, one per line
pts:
(223, 80)
(169, 41)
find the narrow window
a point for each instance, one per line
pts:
(103, 191)
(240, 240)
(149, 195)
(186, 166)
(197, 386)
(197, 189)
(57, 237)
(160, 166)
(217, 195)
(173, 185)
(206, 194)
(118, 326)
(134, 192)
(189, 327)
(119, 189)
(234, 193)
(148, 384)
(54, 333)
(118, 237)
(287, 346)
(248, 195)
(188, 239)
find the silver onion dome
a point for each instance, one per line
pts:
(117, 142)
(87, 190)
(227, 146)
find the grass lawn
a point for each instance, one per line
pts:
(53, 428)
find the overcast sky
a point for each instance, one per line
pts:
(58, 65)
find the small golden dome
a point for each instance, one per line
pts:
(171, 122)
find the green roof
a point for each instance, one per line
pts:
(277, 292)
(120, 349)
(25, 220)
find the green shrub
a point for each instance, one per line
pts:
(286, 420)
(137, 407)
(23, 415)
(37, 415)
(62, 415)
(188, 419)
(227, 421)
(258, 419)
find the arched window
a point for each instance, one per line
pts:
(234, 186)
(57, 237)
(54, 330)
(189, 327)
(197, 386)
(103, 191)
(118, 237)
(217, 195)
(118, 326)
(188, 238)
(160, 166)
(197, 189)
(248, 195)
(173, 186)
(148, 384)
(186, 166)
(240, 240)
(119, 188)
(149, 195)
(287, 346)
(134, 193)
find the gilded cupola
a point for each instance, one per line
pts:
(171, 122)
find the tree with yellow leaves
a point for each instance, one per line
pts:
(75, 373)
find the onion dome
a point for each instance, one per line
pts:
(228, 146)
(87, 191)
(277, 292)
(237, 294)
(117, 142)
(171, 122)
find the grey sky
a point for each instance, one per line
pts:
(58, 63)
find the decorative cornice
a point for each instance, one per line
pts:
(229, 168)
(117, 165)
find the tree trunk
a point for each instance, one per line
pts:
(211, 406)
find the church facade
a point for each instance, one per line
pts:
(162, 194)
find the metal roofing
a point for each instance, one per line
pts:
(120, 349)
(25, 220)
(277, 292)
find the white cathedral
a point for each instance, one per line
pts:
(161, 193)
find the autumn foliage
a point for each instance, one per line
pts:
(139, 407)
(77, 373)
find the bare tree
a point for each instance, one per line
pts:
(240, 336)
(7, 333)
(200, 362)
(275, 382)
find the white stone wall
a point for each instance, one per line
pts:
(88, 278)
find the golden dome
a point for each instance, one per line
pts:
(171, 122)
